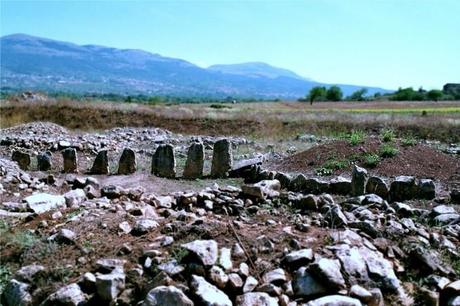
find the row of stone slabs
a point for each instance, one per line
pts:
(163, 161)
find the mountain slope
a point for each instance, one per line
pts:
(29, 62)
(256, 69)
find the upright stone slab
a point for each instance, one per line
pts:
(195, 161)
(22, 158)
(222, 158)
(70, 160)
(44, 161)
(101, 163)
(164, 162)
(127, 163)
(377, 186)
(358, 181)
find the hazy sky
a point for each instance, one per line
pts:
(388, 43)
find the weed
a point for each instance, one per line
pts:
(5, 275)
(178, 253)
(219, 106)
(331, 165)
(387, 135)
(75, 213)
(388, 150)
(371, 160)
(408, 141)
(356, 137)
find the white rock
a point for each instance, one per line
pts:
(208, 294)
(166, 295)
(205, 250)
(43, 202)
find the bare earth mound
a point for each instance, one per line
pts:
(418, 160)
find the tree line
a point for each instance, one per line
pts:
(334, 93)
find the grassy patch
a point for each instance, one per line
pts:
(388, 135)
(371, 160)
(332, 165)
(388, 150)
(408, 141)
(356, 137)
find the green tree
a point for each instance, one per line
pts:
(334, 93)
(316, 93)
(434, 94)
(358, 95)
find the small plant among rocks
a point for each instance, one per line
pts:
(356, 137)
(408, 141)
(371, 160)
(388, 135)
(331, 165)
(388, 150)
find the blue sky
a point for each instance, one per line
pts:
(388, 43)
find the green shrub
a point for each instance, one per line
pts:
(387, 135)
(371, 160)
(330, 166)
(356, 137)
(408, 141)
(388, 150)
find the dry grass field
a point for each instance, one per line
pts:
(277, 120)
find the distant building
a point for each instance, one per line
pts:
(452, 88)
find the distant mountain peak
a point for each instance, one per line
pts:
(256, 69)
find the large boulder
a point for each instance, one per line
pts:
(70, 160)
(16, 293)
(403, 188)
(205, 250)
(44, 162)
(101, 163)
(358, 180)
(262, 189)
(127, 163)
(378, 186)
(22, 158)
(164, 162)
(195, 161)
(222, 158)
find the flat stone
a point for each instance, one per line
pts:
(43, 202)
(334, 300)
(205, 250)
(166, 295)
(208, 294)
(109, 286)
(70, 295)
(328, 270)
(256, 299)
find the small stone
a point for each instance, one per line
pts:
(143, 226)
(225, 259)
(250, 284)
(334, 300)
(256, 298)
(66, 236)
(166, 295)
(16, 293)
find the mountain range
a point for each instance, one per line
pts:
(34, 63)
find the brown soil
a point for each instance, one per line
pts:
(420, 160)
